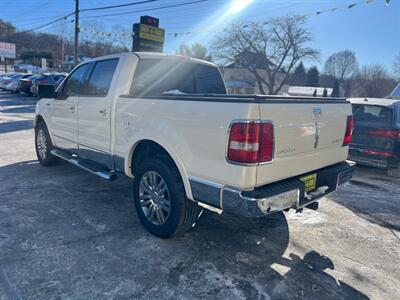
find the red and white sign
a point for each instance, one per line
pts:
(7, 50)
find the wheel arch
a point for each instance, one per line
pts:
(38, 118)
(147, 148)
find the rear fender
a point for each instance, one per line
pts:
(170, 150)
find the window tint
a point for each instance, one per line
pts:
(75, 82)
(153, 76)
(372, 113)
(158, 76)
(101, 77)
(208, 80)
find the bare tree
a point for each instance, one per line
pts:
(121, 37)
(396, 67)
(341, 65)
(269, 50)
(196, 50)
(372, 81)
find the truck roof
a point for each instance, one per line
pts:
(374, 101)
(156, 55)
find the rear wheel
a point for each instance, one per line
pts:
(160, 199)
(43, 145)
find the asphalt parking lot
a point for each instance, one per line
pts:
(66, 234)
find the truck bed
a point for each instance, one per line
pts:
(198, 125)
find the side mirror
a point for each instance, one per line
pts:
(47, 91)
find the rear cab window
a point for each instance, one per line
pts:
(372, 114)
(162, 76)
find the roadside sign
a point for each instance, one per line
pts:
(7, 50)
(44, 64)
(151, 33)
(149, 21)
(147, 36)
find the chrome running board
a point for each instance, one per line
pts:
(85, 164)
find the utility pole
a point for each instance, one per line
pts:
(62, 51)
(76, 52)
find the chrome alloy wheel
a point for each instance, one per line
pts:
(154, 198)
(41, 143)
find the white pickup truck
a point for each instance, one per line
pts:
(167, 122)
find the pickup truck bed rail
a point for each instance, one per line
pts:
(256, 99)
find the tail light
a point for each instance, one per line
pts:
(251, 142)
(379, 153)
(387, 133)
(349, 131)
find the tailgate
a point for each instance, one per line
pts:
(365, 139)
(370, 124)
(308, 136)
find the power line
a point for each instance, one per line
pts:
(89, 9)
(146, 9)
(49, 23)
(118, 5)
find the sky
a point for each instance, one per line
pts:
(371, 30)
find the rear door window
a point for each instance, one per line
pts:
(160, 76)
(157, 76)
(372, 114)
(100, 79)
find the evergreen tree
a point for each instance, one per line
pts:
(299, 76)
(313, 77)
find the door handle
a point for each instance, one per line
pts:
(103, 112)
(72, 108)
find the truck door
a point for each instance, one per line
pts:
(94, 120)
(64, 110)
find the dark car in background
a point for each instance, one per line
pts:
(46, 79)
(24, 84)
(376, 133)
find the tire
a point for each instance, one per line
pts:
(182, 213)
(43, 145)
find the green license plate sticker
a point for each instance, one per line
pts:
(310, 182)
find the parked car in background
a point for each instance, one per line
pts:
(46, 79)
(12, 85)
(6, 79)
(376, 135)
(24, 84)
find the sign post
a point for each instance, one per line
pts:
(147, 36)
(7, 50)
(44, 64)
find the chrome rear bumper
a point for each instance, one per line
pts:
(274, 197)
